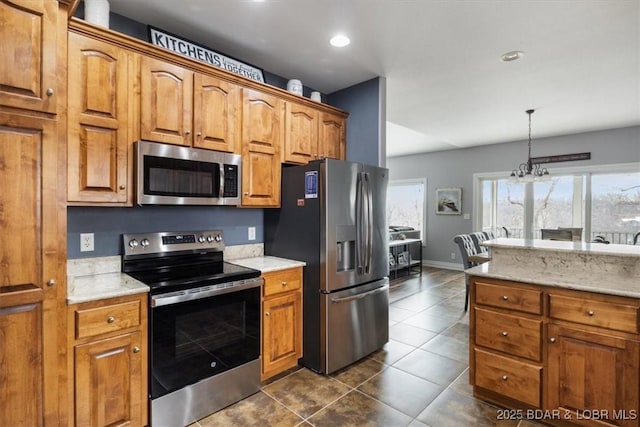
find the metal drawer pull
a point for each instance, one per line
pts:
(136, 349)
(504, 378)
(552, 340)
(505, 333)
(50, 92)
(51, 282)
(284, 283)
(111, 319)
(266, 313)
(504, 297)
(591, 312)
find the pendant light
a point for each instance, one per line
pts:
(529, 171)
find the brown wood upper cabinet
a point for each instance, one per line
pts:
(261, 142)
(100, 137)
(332, 136)
(28, 55)
(311, 134)
(301, 136)
(179, 106)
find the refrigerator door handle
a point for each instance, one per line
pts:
(359, 296)
(359, 224)
(369, 224)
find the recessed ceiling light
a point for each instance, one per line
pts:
(511, 56)
(339, 40)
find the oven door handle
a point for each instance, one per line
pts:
(204, 292)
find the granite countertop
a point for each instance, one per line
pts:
(92, 279)
(561, 246)
(267, 263)
(607, 269)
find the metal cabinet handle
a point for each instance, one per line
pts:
(246, 193)
(187, 132)
(111, 319)
(504, 378)
(505, 297)
(284, 283)
(552, 340)
(591, 312)
(505, 333)
(51, 282)
(122, 187)
(136, 349)
(198, 133)
(266, 313)
(50, 92)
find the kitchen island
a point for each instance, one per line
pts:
(554, 331)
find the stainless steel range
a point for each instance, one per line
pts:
(204, 325)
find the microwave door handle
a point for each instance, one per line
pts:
(221, 165)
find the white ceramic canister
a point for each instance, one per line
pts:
(316, 96)
(295, 86)
(97, 12)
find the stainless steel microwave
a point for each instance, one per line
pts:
(173, 175)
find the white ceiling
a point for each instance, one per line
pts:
(446, 87)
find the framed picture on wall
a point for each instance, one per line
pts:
(449, 201)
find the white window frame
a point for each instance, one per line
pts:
(587, 171)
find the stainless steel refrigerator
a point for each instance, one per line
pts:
(333, 217)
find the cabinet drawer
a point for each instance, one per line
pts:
(100, 320)
(511, 334)
(503, 296)
(608, 315)
(276, 282)
(511, 378)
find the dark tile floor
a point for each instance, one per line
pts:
(420, 378)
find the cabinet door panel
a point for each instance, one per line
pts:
(332, 136)
(261, 141)
(592, 371)
(301, 134)
(21, 367)
(215, 114)
(28, 54)
(166, 102)
(282, 333)
(108, 382)
(98, 140)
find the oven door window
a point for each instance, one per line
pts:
(180, 178)
(197, 339)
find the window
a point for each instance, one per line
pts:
(406, 204)
(602, 201)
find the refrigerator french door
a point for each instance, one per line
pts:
(333, 217)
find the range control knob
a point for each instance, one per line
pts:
(209, 238)
(218, 238)
(144, 243)
(133, 243)
(201, 239)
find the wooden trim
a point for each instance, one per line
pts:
(80, 26)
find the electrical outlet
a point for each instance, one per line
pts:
(453, 255)
(251, 233)
(86, 242)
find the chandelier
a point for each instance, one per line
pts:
(529, 171)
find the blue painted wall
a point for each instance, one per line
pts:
(363, 125)
(108, 224)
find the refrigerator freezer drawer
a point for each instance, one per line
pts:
(356, 323)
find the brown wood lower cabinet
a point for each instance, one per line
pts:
(555, 355)
(108, 370)
(281, 321)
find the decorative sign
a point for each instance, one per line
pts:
(192, 50)
(561, 158)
